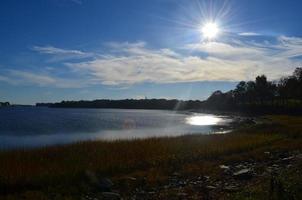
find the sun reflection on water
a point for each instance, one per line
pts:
(202, 120)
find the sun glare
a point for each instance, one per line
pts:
(202, 120)
(210, 30)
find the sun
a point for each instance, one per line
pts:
(210, 30)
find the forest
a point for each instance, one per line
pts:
(164, 104)
(261, 95)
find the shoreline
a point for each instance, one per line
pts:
(222, 165)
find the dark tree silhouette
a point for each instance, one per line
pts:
(298, 76)
(261, 88)
(4, 104)
(284, 95)
(240, 92)
(165, 104)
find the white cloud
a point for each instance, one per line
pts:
(127, 63)
(134, 63)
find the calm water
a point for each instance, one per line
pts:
(34, 127)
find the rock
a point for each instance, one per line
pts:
(288, 159)
(105, 184)
(180, 183)
(218, 183)
(151, 192)
(243, 174)
(128, 183)
(240, 166)
(211, 187)
(110, 196)
(269, 169)
(195, 182)
(275, 166)
(231, 188)
(176, 174)
(130, 178)
(299, 156)
(224, 167)
(92, 178)
(182, 194)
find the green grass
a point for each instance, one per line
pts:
(36, 174)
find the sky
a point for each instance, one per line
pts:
(55, 50)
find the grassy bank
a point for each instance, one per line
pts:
(61, 172)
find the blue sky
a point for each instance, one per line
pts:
(88, 49)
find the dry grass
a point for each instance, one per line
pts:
(48, 168)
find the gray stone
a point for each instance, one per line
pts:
(211, 187)
(92, 178)
(288, 159)
(299, 156)
(110, 196)
(240, 166)
(275, 165)
(224, 167)
(105, 184)
(231, 188)
(130, 178)
(182, 194)
(176, 174)
(243, 174)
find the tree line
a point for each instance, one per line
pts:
(4, 104)
(283, 95)
(165, 104)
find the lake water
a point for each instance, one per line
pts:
(38, 126)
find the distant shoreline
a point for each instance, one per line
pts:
(149, 104)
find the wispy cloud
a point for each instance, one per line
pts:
(59, 54)
(249, 34)
(21, 77)
(289, 47)
(28, 77)
(235, 51)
